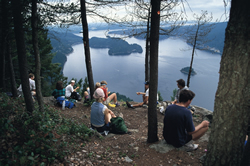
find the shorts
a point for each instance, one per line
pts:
(107, 101)
(101, 129)
(189, 138)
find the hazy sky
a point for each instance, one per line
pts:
(216, 7)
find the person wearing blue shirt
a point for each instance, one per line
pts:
(100, 115)
(178, 127)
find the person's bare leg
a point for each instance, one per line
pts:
(85, 94)
(138, 105)
(113, 96)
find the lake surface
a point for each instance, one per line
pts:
(125, 74)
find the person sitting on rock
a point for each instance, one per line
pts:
(70, 92)
(100, 115)
(178, 127)
(181, 86)
(86, 93)
(108, 98)
(59, 91)
(145, 96)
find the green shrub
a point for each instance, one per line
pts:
(30, 139)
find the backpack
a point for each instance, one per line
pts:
(118, 126)
(68, 104)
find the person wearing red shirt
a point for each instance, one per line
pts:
(108, 98)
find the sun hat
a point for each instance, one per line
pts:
(98, 93)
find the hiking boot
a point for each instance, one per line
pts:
(191, 147)
(117, 104)
(129, 105)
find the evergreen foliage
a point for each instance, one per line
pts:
(35, 138)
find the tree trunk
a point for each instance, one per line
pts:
(21, 51)
(11, 68)
(192, 59)
(4, 28)
(34, 24)
(231, 109)
(147, 51)
(86, 47)
(153, 85)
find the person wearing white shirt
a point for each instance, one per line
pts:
(70, 91)
(145, 96)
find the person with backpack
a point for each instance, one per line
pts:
(100, 116)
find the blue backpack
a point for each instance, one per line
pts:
(68, 104)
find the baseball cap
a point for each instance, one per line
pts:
(98, 93)
(72, 80)
(146, 83)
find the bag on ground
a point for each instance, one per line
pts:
(118, 126)
(68, 104)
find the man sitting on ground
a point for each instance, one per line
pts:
(181, 86)
(178, 127)
(70, 92)
(108, 99)
(145, 96)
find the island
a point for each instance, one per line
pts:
(185, 70)
(117, 46)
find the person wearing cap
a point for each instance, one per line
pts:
(70, 91)
(181, 85)
(100, 115)
(108, 99)
(145, 96)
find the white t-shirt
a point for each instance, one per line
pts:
(147, 94)
(68, 90)
(32, 84)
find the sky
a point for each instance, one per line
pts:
(219, 12)
(216, 7)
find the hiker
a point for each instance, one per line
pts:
(32, 84)
(86, 93)
(70, 92)
(178, 127)
(181, 86)
(145, 96)
(108, 99)
(59, 91)
(32, 87)
(100, 115)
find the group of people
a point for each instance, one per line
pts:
(179, 129)
(68, 92)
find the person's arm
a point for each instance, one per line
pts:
(203, 124)
(140, 93)
(76, 88)
(108, 111)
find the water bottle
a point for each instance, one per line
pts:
(63, 105)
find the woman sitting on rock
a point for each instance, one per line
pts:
(59, 91)
(100, 115)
